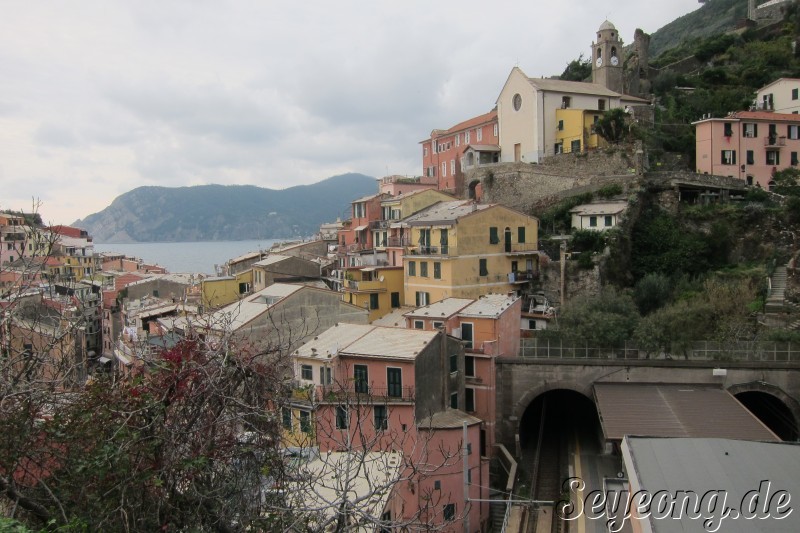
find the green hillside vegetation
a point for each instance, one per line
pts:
(673, 277)
(713, 17)
(732, 67)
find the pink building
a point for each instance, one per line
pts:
(13, 238)
(386, 389)
(355, 237)
(442, 153)
(396, 185)
(488, 327)
(750, 145)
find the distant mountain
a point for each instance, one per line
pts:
(225, 212)
(713, 17)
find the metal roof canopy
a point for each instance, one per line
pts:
(675, 410)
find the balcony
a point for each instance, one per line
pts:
(522, 276)
(399, 242)
(774, 141)
(364, 394)
(443, 250)
(380, 224)
(521, 248)
(364, 286)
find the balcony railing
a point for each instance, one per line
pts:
(444, 250)
(335, 393)
(364, 286)
(380, 224)
(522, 276)
(773, 140)
(399, 241)
(521, 248)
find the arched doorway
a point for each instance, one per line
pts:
(475, 190)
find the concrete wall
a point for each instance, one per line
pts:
(520, 381)
(432, 376)
(164, 289)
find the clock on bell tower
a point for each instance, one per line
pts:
(606, 54)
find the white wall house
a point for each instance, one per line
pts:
(597, 216)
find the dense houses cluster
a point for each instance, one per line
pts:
(393, 319)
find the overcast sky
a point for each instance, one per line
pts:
(100, 97)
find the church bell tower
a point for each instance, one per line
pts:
(607, 58)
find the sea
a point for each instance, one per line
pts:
(192, 257)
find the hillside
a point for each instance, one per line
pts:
(713, 17)
(225, 212)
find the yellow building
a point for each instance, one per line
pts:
(223, 290)
(297, 420)
(378, 289)
(387, 232)
(575, 130)
(464, 250)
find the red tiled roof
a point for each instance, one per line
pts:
(766, 115)
(467, 124)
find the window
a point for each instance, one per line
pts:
(437, 485)
(425, 151)
(419, 324)
(575, 146)
(437, 325)
(325, 375)
(466, 137)
(773, 157)
(361, 379)
(394, 382)
(794, 159)
(593, 221)
(287, 418)
(453, 363)
(483, 269)
(469, 400)
(601, 105)
(479, 134)
(423, 269)
(566, 101)
(452, 167)
(412, 268)
(444, 169)
(495, 130)
(751, 159)
(454, 400)
(458, 139)
(433, 146)
(728, 129)
(305, 421)
(792, 132)
(395, 296)
(450, 512)
(751, 130)
(422, 298)
(469, 366)
(359, 210)
(728, 157)
(560, 125)
(342, 417)
(381, 417)
(609, 221)
(373, 301)
(437, 270)
(430, 172)
(494, 237)
(155, 293)
(531, 324)
(466, 334)
(306, 372)
(794, 94)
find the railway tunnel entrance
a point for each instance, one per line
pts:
(773, 412)
(556, 425)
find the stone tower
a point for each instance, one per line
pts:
(607, 58)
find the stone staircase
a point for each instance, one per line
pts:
(776, 303)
